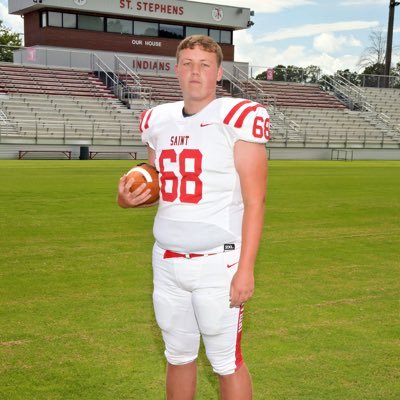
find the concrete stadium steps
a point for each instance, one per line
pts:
(298, 95)
(281, 131)
(15, 78)
(386, 101)
(163, 88)
(69, 117)
(327, 124)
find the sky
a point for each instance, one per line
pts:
(331, 34)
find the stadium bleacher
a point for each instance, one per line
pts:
(385, 101)
(54, 105)
(300, 95)
(165, 88)
(45, 105)
(16, 78)
(321, 119)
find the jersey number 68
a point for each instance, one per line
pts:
(189, 188)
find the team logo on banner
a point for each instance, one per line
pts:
(80, 2)
(217, 14)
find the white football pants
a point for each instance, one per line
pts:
(191, 299)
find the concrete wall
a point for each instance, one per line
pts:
(8, 152)
(72, 58)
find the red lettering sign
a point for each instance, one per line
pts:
(156, 7)
(152, 65)
(125, 4)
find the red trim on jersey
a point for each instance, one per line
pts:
(142, 115)
(238, 353)
(234, 110)
(244, 114)
(144, 120)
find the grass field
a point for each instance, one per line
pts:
(76, 319)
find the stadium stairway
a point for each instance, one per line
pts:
(386, 101)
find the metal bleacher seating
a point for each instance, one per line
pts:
(55, 106)
(71, 106)
(165, 88)
(301, 114)
(386, 101)
(320, 119)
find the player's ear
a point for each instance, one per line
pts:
(220, 73)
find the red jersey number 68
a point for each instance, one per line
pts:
(261, 128)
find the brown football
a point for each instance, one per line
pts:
(148, 174)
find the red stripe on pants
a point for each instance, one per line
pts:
(238, 353)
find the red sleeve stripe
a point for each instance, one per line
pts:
(234, 110)
(142, 114)
(144, 120)
(244, 114)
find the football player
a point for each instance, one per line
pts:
(211, 157)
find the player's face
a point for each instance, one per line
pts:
(198, 73)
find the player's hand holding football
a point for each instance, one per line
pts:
(128, 199)
(242, 287)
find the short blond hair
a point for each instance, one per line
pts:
(205, 42)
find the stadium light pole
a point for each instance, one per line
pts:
(388, 58)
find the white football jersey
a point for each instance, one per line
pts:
(200, 205)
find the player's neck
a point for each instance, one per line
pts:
(185, 114)
(193, 107)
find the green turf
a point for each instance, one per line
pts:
(76, 319)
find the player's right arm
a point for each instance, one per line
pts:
(127, 199)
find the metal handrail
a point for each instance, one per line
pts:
(71, 132)
(118, 63)
(97, 66)
(3, 118)
(135, 90)
(261, 95)
(240, 81)
(71, 123)
(236, 86)
(355, 98)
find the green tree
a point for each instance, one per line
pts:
(294, 74)
(371, 76)
(395, 74)
(8, 41)
(262, 76)
(280, 73)
(291, 73)
(374, 69)
(312, 74)
(352, 77)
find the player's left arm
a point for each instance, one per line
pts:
(251, 165)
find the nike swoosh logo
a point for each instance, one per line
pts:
(202, 125)
(231, 265)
